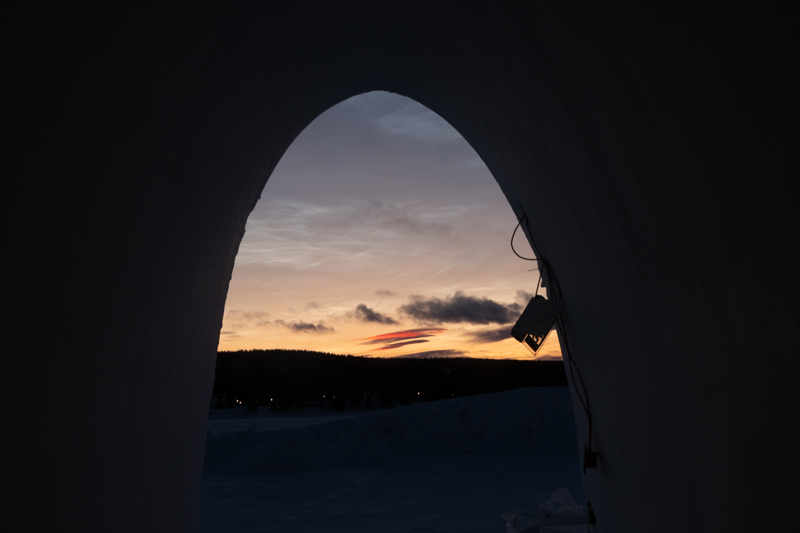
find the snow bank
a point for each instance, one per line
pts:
(517, 422)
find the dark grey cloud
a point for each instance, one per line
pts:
(490, 335)
(397, 345)
(305, 327)
(227, 336)
(365, 314)
(515, 308)
(393, 339)
(522, 298)
(384, 292)
(459, 308)
(434, 353)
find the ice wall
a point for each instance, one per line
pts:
(653, 149)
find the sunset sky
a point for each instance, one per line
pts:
(380, 233)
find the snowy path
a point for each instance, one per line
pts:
(402, 488)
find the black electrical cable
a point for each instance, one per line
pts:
(512, 242)
(556, 287)
(572, 364)
(560, 324)
(530, 234)
(513, 234)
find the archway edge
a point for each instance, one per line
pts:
(622, 149)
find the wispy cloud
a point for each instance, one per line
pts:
(420, 123)
(550, 357)
(365, 314)
(397, 339)
(432, 353)
(400, 335)
(397, 345)
(247, 319)
(460, 308)
(302, 234)
(228, 336)
(305, 327)
(490, 335)
(410, 119)
(402, 217)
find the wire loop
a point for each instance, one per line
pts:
(524, 217)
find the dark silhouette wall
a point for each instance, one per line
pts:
(653, 148)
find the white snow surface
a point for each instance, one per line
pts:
(232, 424)
(448, 467)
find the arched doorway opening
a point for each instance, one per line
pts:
(382, 233)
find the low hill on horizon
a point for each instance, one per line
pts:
(292, 380)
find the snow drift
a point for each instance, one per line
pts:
(517, 422)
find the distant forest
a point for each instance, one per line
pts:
(292, 380)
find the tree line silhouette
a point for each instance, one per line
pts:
(292, 380)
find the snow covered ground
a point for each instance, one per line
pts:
(243, 422)
(449, 466)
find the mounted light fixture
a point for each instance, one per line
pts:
(536, 322)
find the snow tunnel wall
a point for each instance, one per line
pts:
(653, 150)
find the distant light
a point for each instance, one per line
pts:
(417, 394)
